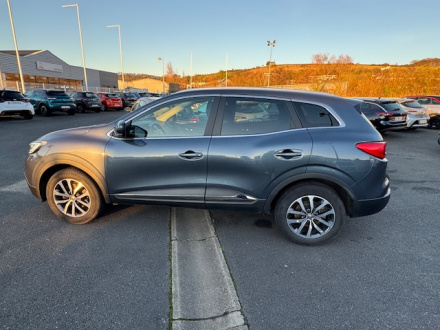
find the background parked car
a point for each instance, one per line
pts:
(47, 101)
(86, 100)
(128, 99)
(416, 115)
(432, 105)
(384, 114)
(109, 101)
(141, 102)
(13, 103)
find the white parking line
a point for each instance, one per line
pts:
(203, 292)
(20, 186)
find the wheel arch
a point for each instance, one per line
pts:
(342, 189)
(56, 166)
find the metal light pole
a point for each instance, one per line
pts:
(120, 51)
(16, 47)
(271, 45)
(81, 41)
(163, 73)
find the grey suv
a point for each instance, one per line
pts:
(311, 162)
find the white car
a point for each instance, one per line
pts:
(13, 103)
(416, 114)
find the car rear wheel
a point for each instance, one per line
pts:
(103, 107)
(74, 196)
(28, 116)
(310, 213)
(80, 108)
(44, 111)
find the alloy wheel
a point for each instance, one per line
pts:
(71, 197)
(310, 216)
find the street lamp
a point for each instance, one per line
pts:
(16, 47)
(81, 41)
(271, 45)
(120, 51)
(163, 73)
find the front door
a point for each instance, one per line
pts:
(166, 159)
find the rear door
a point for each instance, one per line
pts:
(257, 144)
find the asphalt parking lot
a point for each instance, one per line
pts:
(383, 271)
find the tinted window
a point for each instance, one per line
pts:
(392, 106)
(313, 115)
(423, 100)
(56, 93)
(434, 101)
(91, 96)
(254, 116)
(12, 95)
(412, 104)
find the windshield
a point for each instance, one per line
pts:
(412, 104)
(112, 95)
(91, 96)
(392, 106)
(130, 95)
(56, 93)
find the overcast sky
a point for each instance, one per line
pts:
(370, 31)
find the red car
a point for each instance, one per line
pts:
(110, 101)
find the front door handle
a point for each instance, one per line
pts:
(288, 154)
(191, 155)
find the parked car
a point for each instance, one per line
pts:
(416, 115)
(432, 105)
(128, 99)
(46, 101)
(86, 101)
(110, 101)
(13, 103)
(312, 164)
(384, 114)
(141, 102)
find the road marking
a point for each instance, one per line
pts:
(203, 293)
(20, 186)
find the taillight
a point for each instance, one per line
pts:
(383, 114)
(194, 120)
(376, 149)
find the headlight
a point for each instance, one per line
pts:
(35, 146)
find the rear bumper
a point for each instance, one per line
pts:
(371, 206)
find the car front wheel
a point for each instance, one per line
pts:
(74, 196)
(310, 213)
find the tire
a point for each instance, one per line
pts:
(79, 208)
(80, 108)
(294, 213)
(434, 122)
(44, 111)
(103, 107)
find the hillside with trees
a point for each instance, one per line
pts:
(337, 75)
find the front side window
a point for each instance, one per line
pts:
(423, 100)
(173, 119)
(313, 115)
(242, 116)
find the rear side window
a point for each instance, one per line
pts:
(247, 116)
(312, 115)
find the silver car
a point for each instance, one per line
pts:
(416, 114)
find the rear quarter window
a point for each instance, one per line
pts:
(312, 115)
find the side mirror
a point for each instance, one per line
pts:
(121, 129)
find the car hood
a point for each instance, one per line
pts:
(77, 131)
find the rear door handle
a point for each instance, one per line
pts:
(191, 155)
(288, 154)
